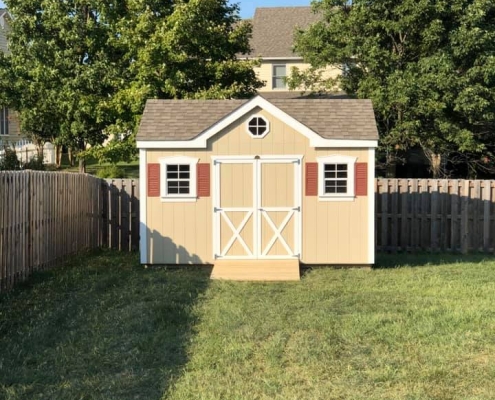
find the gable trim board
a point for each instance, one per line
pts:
(327, 230)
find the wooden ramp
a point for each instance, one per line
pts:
(256, 270)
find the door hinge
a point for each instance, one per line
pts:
(298, 209)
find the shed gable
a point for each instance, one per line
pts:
(325, 123)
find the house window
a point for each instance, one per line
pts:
(258, 127)
(178, 179)
(178, 175)
(279, 75)
(4, 121)
(336, 177)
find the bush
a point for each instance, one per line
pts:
(111, 171)
(9, 160)
(35, 163)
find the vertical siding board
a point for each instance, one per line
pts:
(395, 215)
(405, 225)
(434, 226)
(444, 224)
(486, 215)
(415, 209)
(477, 217)
(465, 217)
(384, 212)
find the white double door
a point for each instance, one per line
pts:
(257, 207)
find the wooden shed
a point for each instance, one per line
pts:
(255, 187)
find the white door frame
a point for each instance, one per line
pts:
(257, 211)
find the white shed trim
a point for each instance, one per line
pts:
(201, 141)
(371, 205)
(143, 230)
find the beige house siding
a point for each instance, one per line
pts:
(265, 72)
(3, 37)
(332, 232)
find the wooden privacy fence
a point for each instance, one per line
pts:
(435, 215)
(46, 216)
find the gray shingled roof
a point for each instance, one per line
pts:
(165, 120)
(273, 30)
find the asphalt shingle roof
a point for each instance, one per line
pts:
(165, 120)
(273, 30)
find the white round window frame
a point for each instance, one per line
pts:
(258, 136)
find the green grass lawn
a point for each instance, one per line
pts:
(104, 328)
(129, 169)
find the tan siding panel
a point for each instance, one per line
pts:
(333, 232)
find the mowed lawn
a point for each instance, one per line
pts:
(104, 328)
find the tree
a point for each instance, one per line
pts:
(428, 66)
(87, 67)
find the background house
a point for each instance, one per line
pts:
(9, 124)
(10, 132)
(273, 40)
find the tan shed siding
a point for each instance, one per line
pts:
(265, 71)
(333, 232)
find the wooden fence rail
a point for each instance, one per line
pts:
(46, 216)
(435, 215)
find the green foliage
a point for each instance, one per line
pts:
(428, 66)
(81, 71)
(116, 150)
(104, 327)
(36, 163)
(9, 160)
(111, 171)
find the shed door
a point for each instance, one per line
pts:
(257, 208)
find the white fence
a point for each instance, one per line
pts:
(26, 150)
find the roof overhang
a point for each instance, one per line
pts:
(201, 141)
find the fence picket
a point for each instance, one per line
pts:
(44, 217)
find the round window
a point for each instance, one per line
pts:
(258, 126)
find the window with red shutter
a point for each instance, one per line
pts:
(178, 179)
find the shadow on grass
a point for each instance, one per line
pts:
(400, 260)
(101, 327)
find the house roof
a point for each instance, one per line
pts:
(184, 120)
(273, 30)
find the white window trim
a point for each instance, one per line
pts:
(174, 160)
(273, 76)
(267, 127)
(336, 159)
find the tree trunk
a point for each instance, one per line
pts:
(82, 166)
(391, 167)
(70, 154)
(436, 165)
(58, 155)
(82, 162)
(435, 160)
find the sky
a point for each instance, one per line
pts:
(248, 6)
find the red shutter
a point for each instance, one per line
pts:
(153, 180)
(203, 179)
(311, 179)
(361, 179)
